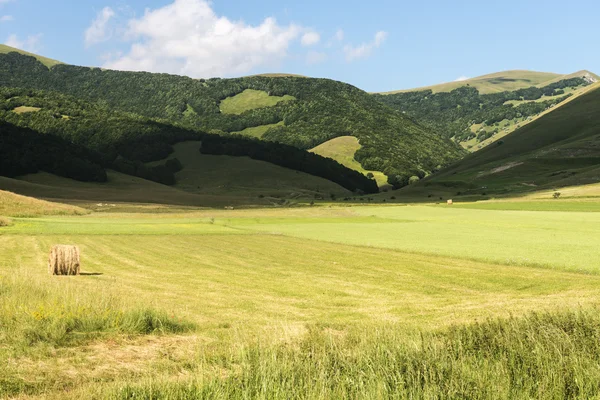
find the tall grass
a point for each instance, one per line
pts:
(5, 221)
(56, 312)
(544, 355)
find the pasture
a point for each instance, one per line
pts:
(312, 302)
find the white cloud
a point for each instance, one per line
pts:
(462, 78)
(339, 35)
(315, 57)
(32, 43)
(6, 18)
(5, 1)
(99, 30)
(364, 50)
(310, 38)
(187, 37)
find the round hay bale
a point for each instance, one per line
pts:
(64, 260)
(450, 202)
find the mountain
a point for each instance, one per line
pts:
(476, 120)
(299, 112)
(503, 81)
(561, 148)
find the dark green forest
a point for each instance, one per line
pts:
(323, 110)
(451, 114)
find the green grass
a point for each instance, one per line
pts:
(239, 180)
(315, 302)
(250, 99)
(48, 62)
(342, 149)
(258, 131)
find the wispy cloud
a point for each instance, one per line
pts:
(99, 30)
(310, 38)
(364, 50)
(6, 18)
(32, 43)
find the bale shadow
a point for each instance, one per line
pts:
(90, 273)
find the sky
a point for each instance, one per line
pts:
(377, 45)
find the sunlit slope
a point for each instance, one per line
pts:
(48, 62)
(501, 81)
(560, 149)
(342, 149)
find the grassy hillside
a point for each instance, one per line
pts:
(14, 205)
(562, 148)
(474, 119)
(500, 82)
(323, 110)
(48, 62)
(343, 149)
(245, 178)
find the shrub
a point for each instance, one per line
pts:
(556, 195)
(5, 222)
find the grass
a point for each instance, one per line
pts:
(342, 149)
(4, 222)
(14, 205)
(315, 302)
(258, 131)
(26, 109)
(48, 62)
(241, 179)
(251, 99)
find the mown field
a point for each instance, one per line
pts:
(315, 302)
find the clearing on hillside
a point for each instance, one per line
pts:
(258, 131)
(250, 99)
(342, 149)
(26, 109)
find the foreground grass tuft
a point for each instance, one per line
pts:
(5, 221)
(33, 312)
(544, 355)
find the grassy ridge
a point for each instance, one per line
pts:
(48, 62)
(14, 205)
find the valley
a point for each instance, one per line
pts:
(284, 237)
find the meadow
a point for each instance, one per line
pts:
(319, 302)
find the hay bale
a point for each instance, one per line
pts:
(450, 202)
(64, 260)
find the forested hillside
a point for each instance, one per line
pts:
(322, 110)
(562, 148)
(73, 138)
(464, 114)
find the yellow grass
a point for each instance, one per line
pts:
(15, 205)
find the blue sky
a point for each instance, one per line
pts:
(377, 45)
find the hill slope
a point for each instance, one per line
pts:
(475, 120)
(562, 148)
(501, 81)
(322, 110)
(48, 62)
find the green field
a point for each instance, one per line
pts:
(250, 99)
(258, 131)
(365, 301)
